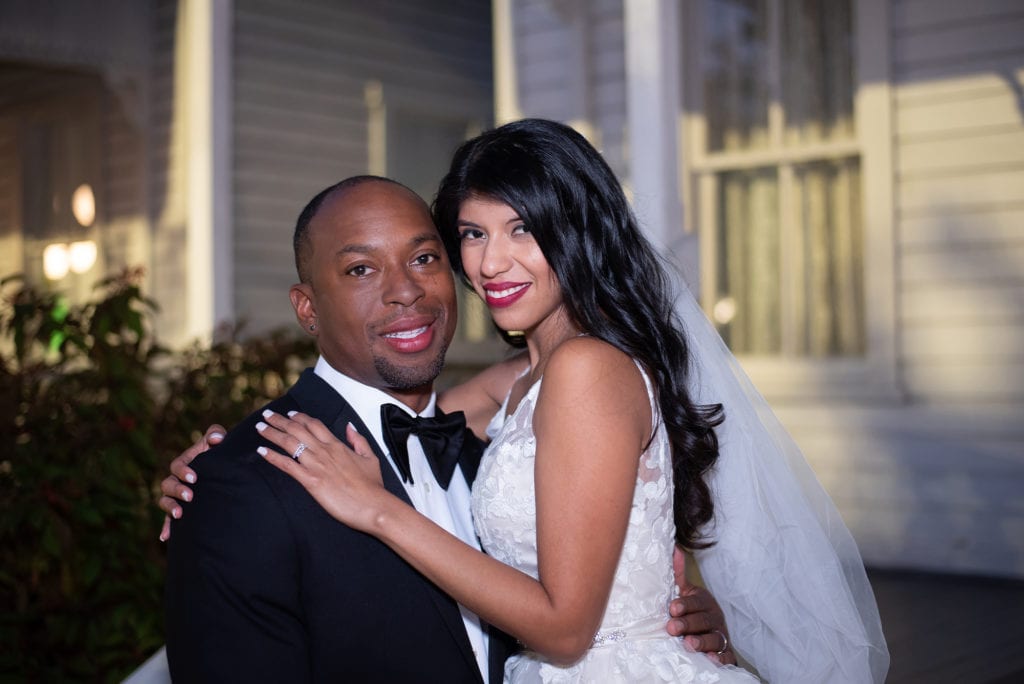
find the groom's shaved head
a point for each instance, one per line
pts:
(301, 243)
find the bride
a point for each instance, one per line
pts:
(603, 458)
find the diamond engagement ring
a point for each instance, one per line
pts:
(725, 641)
(302, 447)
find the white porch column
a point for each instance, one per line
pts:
(209, 286)
(653, 86)
(506, 96)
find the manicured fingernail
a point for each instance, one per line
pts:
(216, 435)
(187, 496)
(261, 426)
(267, 413)
(262, 451)
(163, 537)
(353, 428)
(291, 414)
(176, 513)
(190, 478)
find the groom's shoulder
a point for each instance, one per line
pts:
(309, 395)
(234, 464)
(240, 443)
(238, 449)
(238, 494)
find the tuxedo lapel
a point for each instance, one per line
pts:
(388, 474)
(318, 399)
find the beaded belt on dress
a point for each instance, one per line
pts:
(645, 628)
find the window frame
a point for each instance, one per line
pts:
(72, 100)
(874, 374)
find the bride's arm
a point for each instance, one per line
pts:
(482, 395)
(591, 422)
(479, 398)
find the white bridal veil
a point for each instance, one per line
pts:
(784, 567)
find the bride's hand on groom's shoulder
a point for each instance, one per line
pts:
(697, 618)
(345, 480)
(173, 487)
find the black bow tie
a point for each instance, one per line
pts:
(441, 437)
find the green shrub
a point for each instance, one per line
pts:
(93, 409)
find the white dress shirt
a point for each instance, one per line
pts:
(450, 509)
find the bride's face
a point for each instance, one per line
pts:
(505, 265)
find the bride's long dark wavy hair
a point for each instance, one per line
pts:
(613, 283)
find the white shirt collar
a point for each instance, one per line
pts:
(366, 400)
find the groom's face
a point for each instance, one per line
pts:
(381, 290)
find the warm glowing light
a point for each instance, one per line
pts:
(725, 310)
(82, 256)
(83, 205)
(56, 261)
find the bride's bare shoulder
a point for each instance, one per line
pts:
(594, 368)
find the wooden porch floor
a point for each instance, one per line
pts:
(951, 628)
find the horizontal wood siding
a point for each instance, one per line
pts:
(609, 84)
(960, 198)
(555, 83)
(301, 120)
(925, 485)
(166, 180)
(125, 227)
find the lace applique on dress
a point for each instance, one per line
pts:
(632, 644)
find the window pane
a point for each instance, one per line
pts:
(57, 157)
(830, 303)
(10, 199)
(817, 70)
(788, 255)
(735, 74)
(747, 302)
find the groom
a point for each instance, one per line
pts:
(262, 584)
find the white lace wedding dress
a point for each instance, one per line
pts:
(632, 644)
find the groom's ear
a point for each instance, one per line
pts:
(301, 295)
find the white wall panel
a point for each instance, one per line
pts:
(301, 118)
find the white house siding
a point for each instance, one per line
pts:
(958, 71)
(570, 61)
(930, 474)
(166, 164)
(126, 238)
(934, 479)
(302, 122)
(959, 106)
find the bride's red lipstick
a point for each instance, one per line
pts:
(500, 295)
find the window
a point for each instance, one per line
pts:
(780, 129)
(49, 179)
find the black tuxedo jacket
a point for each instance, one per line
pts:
(264, 586)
